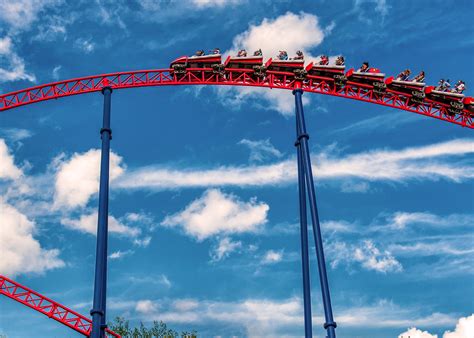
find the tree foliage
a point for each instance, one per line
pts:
(158, 330)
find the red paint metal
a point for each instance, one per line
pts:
(48, 307)
(232, 77)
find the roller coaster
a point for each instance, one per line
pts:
(319, 78)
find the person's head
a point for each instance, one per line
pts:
(299, 53)
(365, 65)
(408, 72)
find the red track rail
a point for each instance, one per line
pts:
(48, 307)
(233, 77)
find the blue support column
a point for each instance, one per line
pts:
(308, 323)
(100, 282)
(330, 324)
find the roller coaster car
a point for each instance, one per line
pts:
(246, 62)
(415, 89)
(288, 66)
(373, 77)
(469, 104)
(455, 100)
(211, 62)
(332, 71)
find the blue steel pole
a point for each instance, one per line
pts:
(308, 325)
(330, 324)
(100, 282)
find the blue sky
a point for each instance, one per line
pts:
(204, 215)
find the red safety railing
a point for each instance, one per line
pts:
(233, 77)
(48, 307)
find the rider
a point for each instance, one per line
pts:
(200, 52)
(443, 85)
(242, 53)
(216, 51)
(324, 60)
(364, 68)
(459, 87)
(257, 52)
(283, 55)
(340, 61)
(403, 76)
(299, 56)
(420, 77)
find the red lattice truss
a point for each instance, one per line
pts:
(233, 77)
(48, 307)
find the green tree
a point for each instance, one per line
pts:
(158, 330)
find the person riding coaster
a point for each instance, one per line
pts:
(404, 76)
(258, 52)
(420, 77)
(364, 68)
(216, 51)
(459, 87)
(199, 52)
(340, 61)
(299, 56)
(242, 53)
(283, 55)
(324, 60)
(443, 85)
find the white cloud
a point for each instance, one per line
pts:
(261, 150)
(88, 224)
(272, 257)
(145, 306)
(86, 45)
(8, 169)
(464, 328)
(431, 162)
(401, 220)
(224, 248)
(20, 14)
(21, 252)
(415, 333)
(218, 213)
(214, 3)
(14, 65)
(55, 72)
(77, 179)
(15, 134)
(278, 318)
(120, 254)
(366, 254)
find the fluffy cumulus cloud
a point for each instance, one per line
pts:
(8, 169)
(366, 254)
(290, 32)
(218, 213)
(88, 224)
(21, 252)
(13, 66)
(445, 160)
(464, 329)
(77, 179)
(272, 257)
(415, 333)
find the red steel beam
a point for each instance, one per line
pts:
(232, 77)
(48, 307)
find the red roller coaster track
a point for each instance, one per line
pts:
(232, 77)
(48, 307)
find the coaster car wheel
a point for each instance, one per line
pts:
(417, 94)
(457, 105)
(179, 69)
(218, 69)
(300, 74)
(259, 71)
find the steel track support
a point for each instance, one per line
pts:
(308, 323)
(305, 159)
(100, 283)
